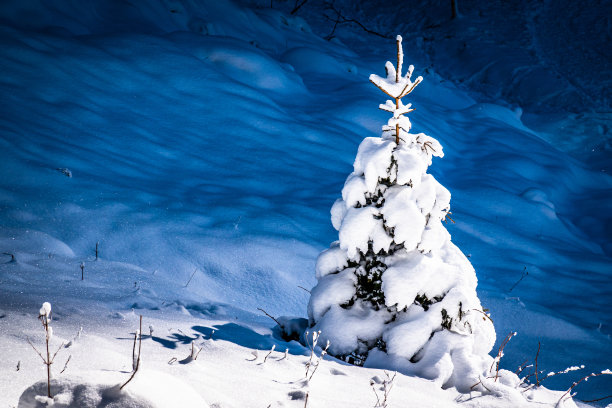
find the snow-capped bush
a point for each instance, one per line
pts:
(44, 315)
(394, 291)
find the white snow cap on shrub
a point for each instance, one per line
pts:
(45, 310)
(394, 291)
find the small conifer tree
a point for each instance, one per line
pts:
(394, 291)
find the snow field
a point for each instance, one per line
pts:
(225, 374)
(215, 138)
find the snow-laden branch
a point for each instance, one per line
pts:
(395, 84)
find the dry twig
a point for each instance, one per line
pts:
(66, 364)
(11, 255)
(45, 318)
(340, 19)
(297, 5)
(536, 365)
(303, 288)
(270, 316)
(191, 277)
(137, 364)
(500, 354)
(525, 273)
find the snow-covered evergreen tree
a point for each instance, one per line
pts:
(394, 291)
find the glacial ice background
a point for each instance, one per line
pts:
(216, 137)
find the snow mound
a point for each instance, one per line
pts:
(149, 389)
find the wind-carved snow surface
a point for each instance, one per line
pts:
(427, 320)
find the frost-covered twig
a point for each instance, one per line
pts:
(270, 352)
(75, 338)
(195, 351)
(315, 338)
(483, 312)
(536, 373)
(448, 217)
(522, 367)
(314, 361)
(427, 145)
(586, 378)
(567, 370)
(136, 358)
(387, 385)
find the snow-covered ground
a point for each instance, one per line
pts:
(205, 144)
